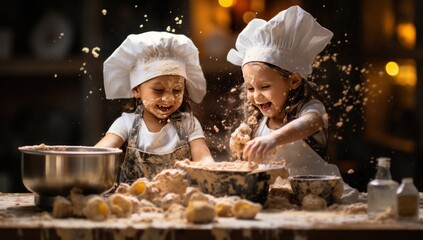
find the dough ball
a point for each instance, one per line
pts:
(313, 202)
(169, 199)
(244, 209)
(120, 205)
(200, 212)
(62, 207)
(96, 209)
(224, 209)
(141, 188)
(123, 188)
(175, 211)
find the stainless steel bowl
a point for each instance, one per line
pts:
(49, 171)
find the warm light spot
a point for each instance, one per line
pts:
(248, 16)
(407, 75)
(392, 68)
(406, 33)
(226, 3)
(257, 5)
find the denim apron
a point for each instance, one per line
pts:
(138, 164)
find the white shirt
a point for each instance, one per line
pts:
(299, 157)
(313, 105)
(163, 142)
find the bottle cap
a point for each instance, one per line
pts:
(407, 180)
(383, 161)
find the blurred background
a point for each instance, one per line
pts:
(51, 83)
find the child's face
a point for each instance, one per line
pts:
(161, 96)
(266, 88)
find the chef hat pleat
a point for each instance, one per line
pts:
(290, 40)
(144, 56)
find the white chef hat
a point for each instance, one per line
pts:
(144, 56)
(291, 40)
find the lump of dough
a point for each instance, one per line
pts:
(175, 211)
(123, 188)
(200, 196)
(244, 209)
(312, 202)
(187, 195)
(169, 199)
(96, 209)
(141, 188)
(239, 138)
(171, 180)
(200, 212)
(62, 207)
(223, 207)
(147, 206)
(78, 201)
(120, 205)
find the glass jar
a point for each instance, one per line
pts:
(408, 201)
(381, 191)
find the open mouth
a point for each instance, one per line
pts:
(265, 106)
(164, 108)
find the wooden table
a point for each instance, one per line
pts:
(21, 219)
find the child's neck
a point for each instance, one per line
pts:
(275, 122)
(153, 123)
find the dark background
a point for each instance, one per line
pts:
(52, 92)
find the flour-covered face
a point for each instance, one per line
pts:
(266, 88)
(161, 96)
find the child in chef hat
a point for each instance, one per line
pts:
(287, 119)
(161, 72)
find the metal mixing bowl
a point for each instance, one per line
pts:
(49, 171)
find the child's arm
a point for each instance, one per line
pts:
(306, 125)
(110, 140)
(200, 151)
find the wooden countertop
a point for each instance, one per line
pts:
(21, 219)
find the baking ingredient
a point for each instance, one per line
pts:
(381, 192)
(244, 209)
(408, 201)
(141, 188)
(62, 207)
(170, 180)
(120, 205)
(239, 138)
(312, 202)
(96, 209)
(200, 212)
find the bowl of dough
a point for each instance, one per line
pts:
(233, 178)
(322, 190)
(50, 171)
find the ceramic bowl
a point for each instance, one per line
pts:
(325, 186)
(220, 180)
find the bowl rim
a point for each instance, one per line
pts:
(64, 150)
(313, 177)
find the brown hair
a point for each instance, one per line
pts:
(296, 100)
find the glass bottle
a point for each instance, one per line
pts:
(382, 191)
(408, 201)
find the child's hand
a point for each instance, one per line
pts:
(257, 149)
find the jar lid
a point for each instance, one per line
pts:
(383, 161)
(407, 180)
